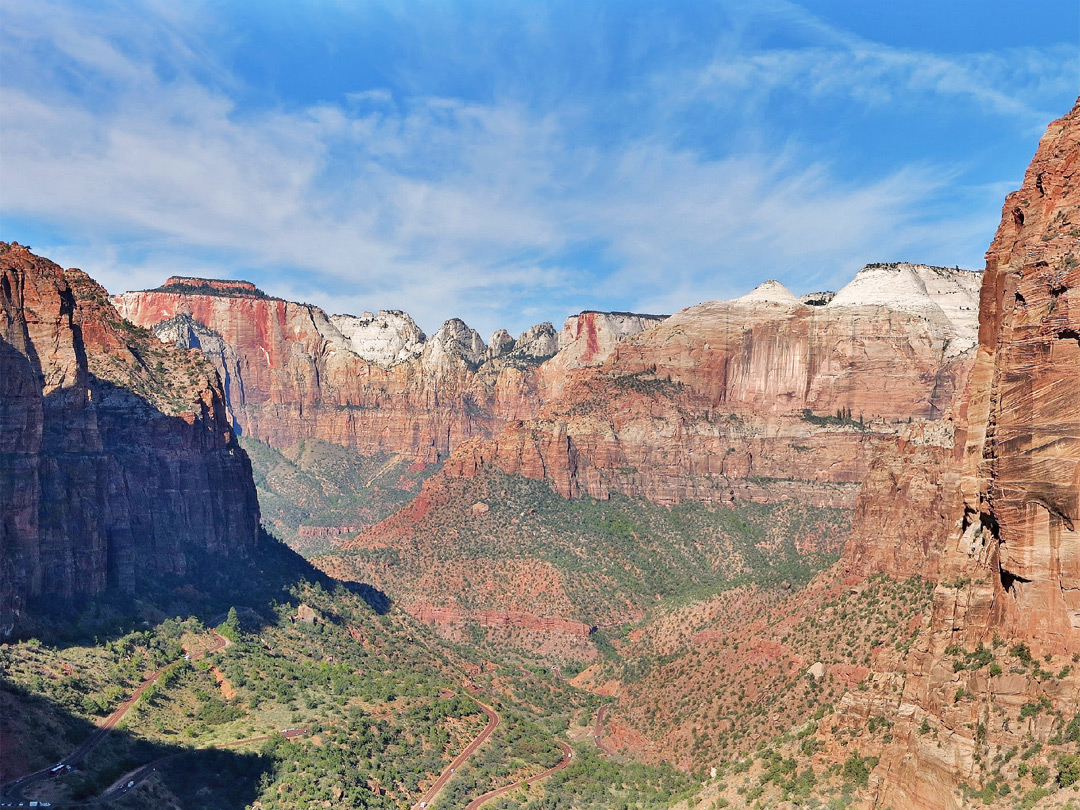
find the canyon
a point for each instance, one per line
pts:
(858, 506)
(766, 399)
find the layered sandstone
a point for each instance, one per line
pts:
(756, 398)
(375, 383)
(119, 465)
(1010, 559)
(906, 503)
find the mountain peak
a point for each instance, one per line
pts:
(769, 292)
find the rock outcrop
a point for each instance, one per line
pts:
(386, 339)
(750, 398)
(588, 338)
(994, 672)
(375, 383)
(118, 462)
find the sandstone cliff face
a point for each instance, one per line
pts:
(725, 400)
(1009, 568)
(905, 507)
(375, 383)
(739, 399)
(118, 463)
(385, 339)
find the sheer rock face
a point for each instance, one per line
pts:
(118, 463)
(294, 373)
(905, 506)
(702, 405)
(738, 399)
(769, 353)
(298, 376)
(1009, 567)
(591, 336)
(587, 340)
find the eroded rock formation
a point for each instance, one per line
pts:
(994, 671)
(761, 397)
(118, 462)
(375, 383)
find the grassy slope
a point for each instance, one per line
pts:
(599, 562)
(314, 483)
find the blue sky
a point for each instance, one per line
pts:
(514, 162)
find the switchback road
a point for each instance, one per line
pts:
(494, 794)
(13, 791)
(459, 760)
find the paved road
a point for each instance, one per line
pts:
(13, 791)
(494, 794)
(459, 760)
(129, 780)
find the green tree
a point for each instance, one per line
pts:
(1068, 770)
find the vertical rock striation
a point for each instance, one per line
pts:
(118, 464)
(1009, 566)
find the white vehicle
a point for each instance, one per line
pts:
(131, 783)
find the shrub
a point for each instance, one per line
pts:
(1068, 770)
(857, 769)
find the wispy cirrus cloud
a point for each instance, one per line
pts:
(129, 135)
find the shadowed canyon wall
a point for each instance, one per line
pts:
(118, 462)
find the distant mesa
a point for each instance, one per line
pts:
(210, 286)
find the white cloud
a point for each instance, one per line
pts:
(446, 207)
(837, 63)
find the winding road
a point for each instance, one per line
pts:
(492, 724)
(13, 791)
(567, 757)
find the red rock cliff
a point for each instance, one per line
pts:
(118, 463)
(708, 404)
(1009, 580)
(290, 374)
(740, 398)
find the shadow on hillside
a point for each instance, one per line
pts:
(259, 582)
(130, 495)
(38, 732)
